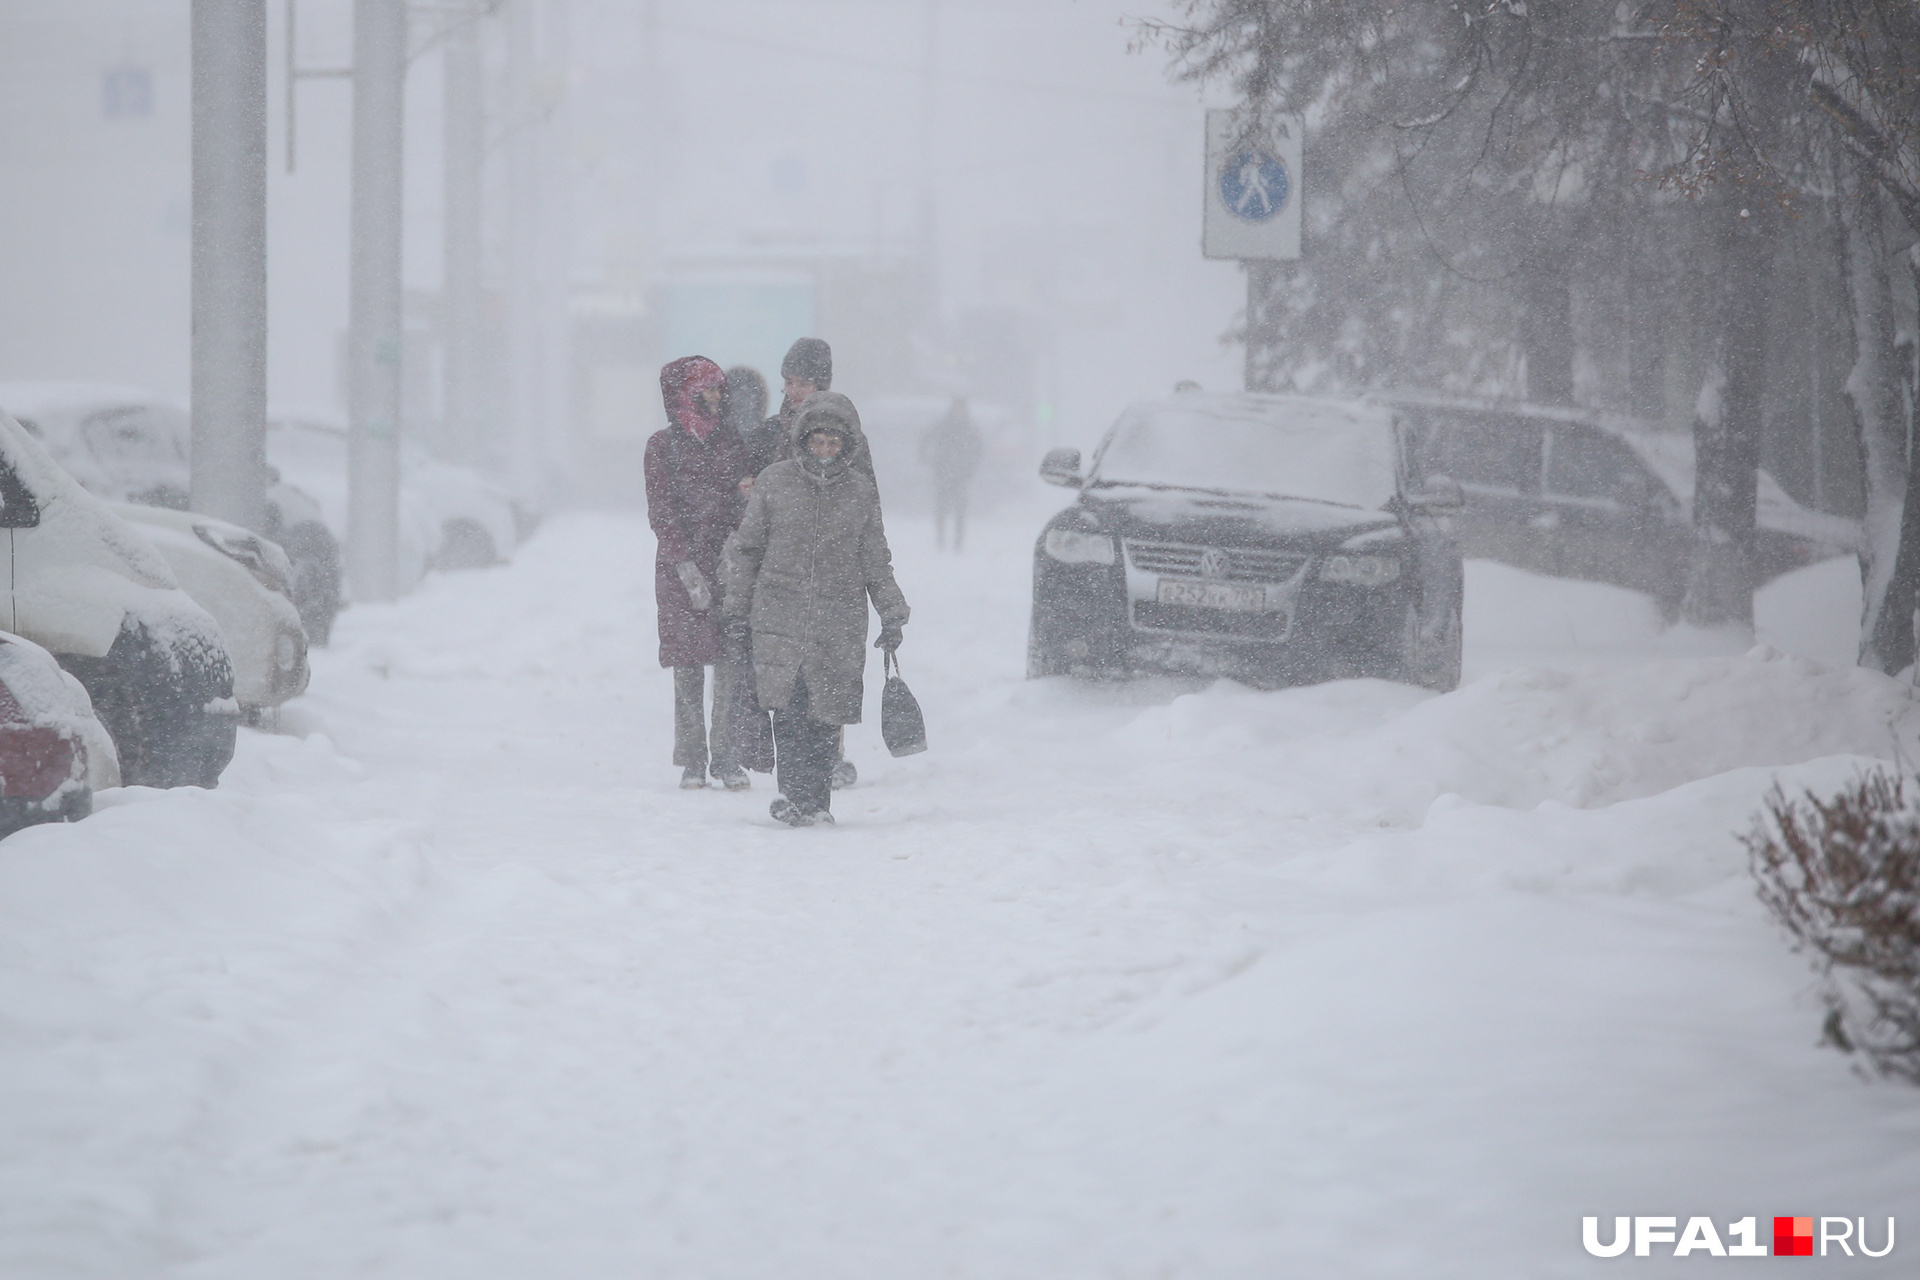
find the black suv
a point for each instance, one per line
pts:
(1572, 494)
(1275, 539)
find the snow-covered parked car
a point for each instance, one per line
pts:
(451, 517)
(53, 753)
(245, 582)
(1270, 538)
(1578, 494)
(84, 585)
(127, 445)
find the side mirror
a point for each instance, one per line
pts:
(1443, 493)
(1061, 467)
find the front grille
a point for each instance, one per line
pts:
(1244, 564)
(1153, 616)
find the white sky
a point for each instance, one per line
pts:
(1067, 174)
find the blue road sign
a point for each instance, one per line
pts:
(1254, 185)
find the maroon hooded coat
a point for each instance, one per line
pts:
(693, 504)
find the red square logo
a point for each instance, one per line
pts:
(1793, 1237)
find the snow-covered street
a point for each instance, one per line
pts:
(448, 979)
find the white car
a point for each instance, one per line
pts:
(128, 445)
(450, 516)
(246, 583)
(84, 585)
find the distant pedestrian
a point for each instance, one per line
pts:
(695, 469)
(808, 556)
(951, 448)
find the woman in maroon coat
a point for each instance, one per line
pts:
(694, 470)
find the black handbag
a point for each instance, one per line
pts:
(902, 727)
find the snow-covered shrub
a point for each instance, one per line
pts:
(1843, 875)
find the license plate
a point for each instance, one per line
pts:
(1213, 595)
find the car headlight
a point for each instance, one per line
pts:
(1070, 546)
(266, 562)
(1360, 571)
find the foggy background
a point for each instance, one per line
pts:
(1023, 228)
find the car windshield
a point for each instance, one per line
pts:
(1319, 452)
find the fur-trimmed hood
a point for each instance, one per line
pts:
(835, 408)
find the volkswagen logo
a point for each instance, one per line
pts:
(1213, 563)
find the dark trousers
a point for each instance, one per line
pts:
(949, 503)
(807, 751)
(692, 741)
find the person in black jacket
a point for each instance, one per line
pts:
(808, 368)
(951, 448)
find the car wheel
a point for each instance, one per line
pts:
(161, 727)
(1043, 659)
(1432, 664)
(18, 813)
(316, 578)
(77, 805)
(465, 545)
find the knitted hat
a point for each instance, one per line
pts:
(810, 359)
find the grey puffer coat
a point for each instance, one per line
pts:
(806, 558)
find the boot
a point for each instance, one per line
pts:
(785, 810)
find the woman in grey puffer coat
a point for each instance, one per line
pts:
(809, 554)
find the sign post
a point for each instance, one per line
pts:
(1253, 191)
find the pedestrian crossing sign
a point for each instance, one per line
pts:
(1253, 188)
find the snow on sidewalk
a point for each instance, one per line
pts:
(1164, 979)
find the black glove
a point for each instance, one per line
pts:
(890, 637)
(739, 637)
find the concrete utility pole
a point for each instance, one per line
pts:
(374, 299)
(228, 473)
(461, 297)
(523, 259)
(556, 262)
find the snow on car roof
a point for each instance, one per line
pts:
(1668, 454)
(37, 399)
